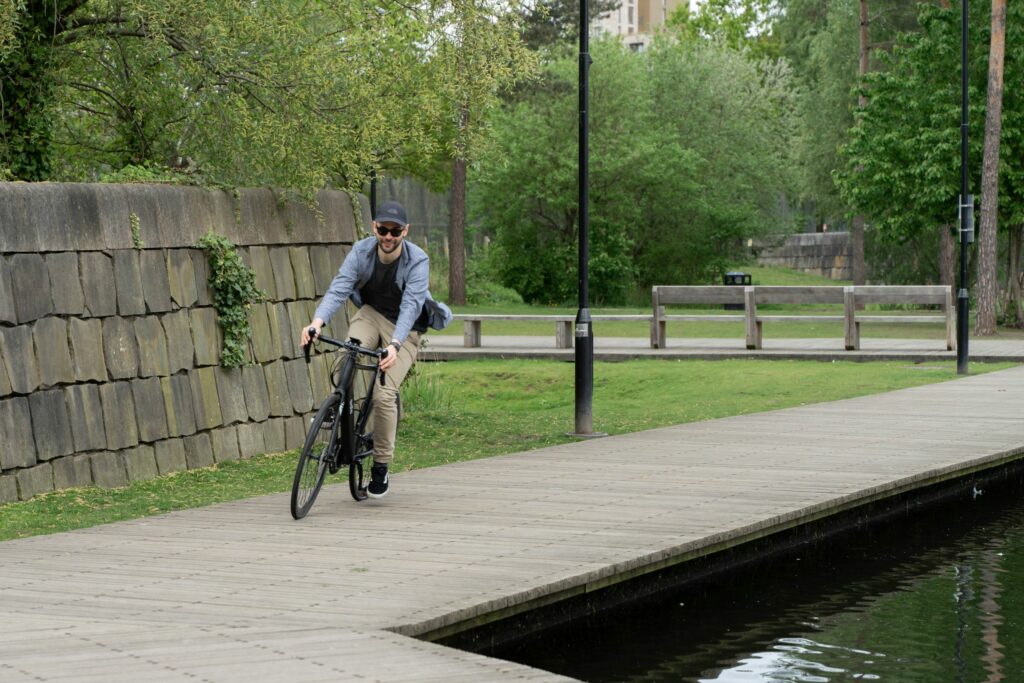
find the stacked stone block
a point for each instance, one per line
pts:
(109, 353)
(824, 253)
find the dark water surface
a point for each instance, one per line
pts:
(924, 599)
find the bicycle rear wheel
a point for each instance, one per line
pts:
(317, 453)
(357, 441)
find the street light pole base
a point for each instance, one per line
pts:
(588, 435)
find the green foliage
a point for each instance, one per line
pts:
(136, 228)
(903, 159)
(739, 24)
(552, 22)
(288, 94)
(146, 172)
(478, 57)
(9, 20)
(820, 40)
(234, 292)
(425, 392)
(688, 157)
(483, 276)
(26, 145)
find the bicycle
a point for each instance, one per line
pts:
(337, 436)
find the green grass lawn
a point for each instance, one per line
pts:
(473, 409)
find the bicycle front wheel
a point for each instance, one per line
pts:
(317, 454)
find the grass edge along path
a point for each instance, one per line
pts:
(451, 411)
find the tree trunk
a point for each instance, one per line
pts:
(857, 266)
(947, 256)
(1015, 278)
(987, 266)
(457, 235)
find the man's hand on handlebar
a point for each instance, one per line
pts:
(317, 325)
(390, 359)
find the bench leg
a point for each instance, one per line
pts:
(853, 336)
(752, 324)
(471, 334)
(754, 337)
(657, 334)
(563, 334)
(851, 326)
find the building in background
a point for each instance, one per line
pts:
(636, 21)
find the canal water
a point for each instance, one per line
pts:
(938, 596)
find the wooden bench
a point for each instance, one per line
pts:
(711, 295)
(936, 295)
(471, 324)
(849, 297)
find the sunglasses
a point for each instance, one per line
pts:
(394, 232)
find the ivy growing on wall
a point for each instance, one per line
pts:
(234, 291)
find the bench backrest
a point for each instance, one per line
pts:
(710, 294)
(774, 294)
(903, 294)
(825, 294)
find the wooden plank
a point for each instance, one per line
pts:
(908, 319)
(798, 295)
(500, 316)
(723, 318)
(698, 294)
(802, 318)
(895, 294)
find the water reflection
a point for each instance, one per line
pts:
(939, 598)
(800, 659)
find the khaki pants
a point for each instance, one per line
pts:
(373, 330)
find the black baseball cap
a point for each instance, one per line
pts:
(391, 212)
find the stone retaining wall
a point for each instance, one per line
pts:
(820, 253)
(109, 353)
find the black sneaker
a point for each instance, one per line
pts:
(378, 487)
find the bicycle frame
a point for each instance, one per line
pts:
(337, 437)
(350, 449)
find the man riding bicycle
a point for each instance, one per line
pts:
(387, 279)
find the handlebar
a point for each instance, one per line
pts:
(351, 345)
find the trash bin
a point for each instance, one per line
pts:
(737, 278)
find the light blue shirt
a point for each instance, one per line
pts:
(412, 278)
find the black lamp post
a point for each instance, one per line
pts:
(966, 211)
(584, 334)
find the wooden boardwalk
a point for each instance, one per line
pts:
(240, 592)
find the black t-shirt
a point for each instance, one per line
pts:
(382, 292)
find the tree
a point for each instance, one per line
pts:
(739, 24)
(292, 94)
(534, 152)
(908, 140)
(477, 55)
(688, 159)
(987, 266)
(821, 40)
(857, 265)
(551, 22)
